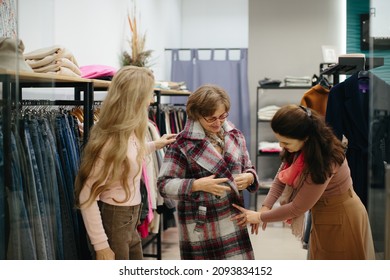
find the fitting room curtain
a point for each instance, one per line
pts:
(229, 73)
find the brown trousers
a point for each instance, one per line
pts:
(120, 224)
(340, 229)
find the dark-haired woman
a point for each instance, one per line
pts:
(314, 174)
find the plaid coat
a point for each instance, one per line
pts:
(206, 231)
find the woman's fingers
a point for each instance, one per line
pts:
(239, 217)
(239, 208)
(255, 228)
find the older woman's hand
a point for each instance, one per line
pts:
(243, 180)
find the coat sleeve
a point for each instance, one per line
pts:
(248, 166)
(172, 182)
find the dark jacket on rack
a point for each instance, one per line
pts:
(347, 114)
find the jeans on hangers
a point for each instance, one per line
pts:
(35, 197)
(50, 152)
(41, 184)
(20, 244)
(70, 221)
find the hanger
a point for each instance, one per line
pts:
(363, 80)
(363, 74)
(324, 82)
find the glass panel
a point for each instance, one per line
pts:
(379, 42)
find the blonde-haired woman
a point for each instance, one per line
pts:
(107, 187)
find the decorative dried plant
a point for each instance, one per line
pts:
(139, 56)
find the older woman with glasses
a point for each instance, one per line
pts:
(206, 170)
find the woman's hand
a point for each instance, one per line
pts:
(250, 217)
(211, 185)
(255, 227)
(243, 180)
(164, 140)
(105, 254)
(246, 216)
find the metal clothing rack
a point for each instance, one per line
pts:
(164, 92)
(12, 98)
(157, 237)
(349, 66)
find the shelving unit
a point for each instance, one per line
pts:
(267, 164)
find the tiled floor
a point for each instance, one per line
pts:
(275, 243)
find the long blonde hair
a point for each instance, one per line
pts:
(123, 111)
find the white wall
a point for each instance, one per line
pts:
(214, 24)
(95, 31)
(285, 39)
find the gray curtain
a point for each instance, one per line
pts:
(231, 74)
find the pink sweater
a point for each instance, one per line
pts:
(91, 214)
(307, 196)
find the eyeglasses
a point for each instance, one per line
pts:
(213, 119)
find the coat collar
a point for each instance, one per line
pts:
(194, 130)
(205, 154)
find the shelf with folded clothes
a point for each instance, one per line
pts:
(267, 148)
(269, 100)
(269, 154)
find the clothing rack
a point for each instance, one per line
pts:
(13, 84)
(157, 237)
(164, 92)
(349, 66)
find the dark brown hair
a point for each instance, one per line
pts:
(322, 149)
(204, 101)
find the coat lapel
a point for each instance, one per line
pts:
(355, 106)
(203, 152)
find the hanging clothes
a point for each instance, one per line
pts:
(43, 223)
(347, 113)
(316, 98)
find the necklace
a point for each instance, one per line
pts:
(216, 139)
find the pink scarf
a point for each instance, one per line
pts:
(289, 173)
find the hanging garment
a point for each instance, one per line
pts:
(347, 113)
(316, 98)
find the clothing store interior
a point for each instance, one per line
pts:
(57, 60)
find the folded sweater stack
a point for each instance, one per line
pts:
(55, 59)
